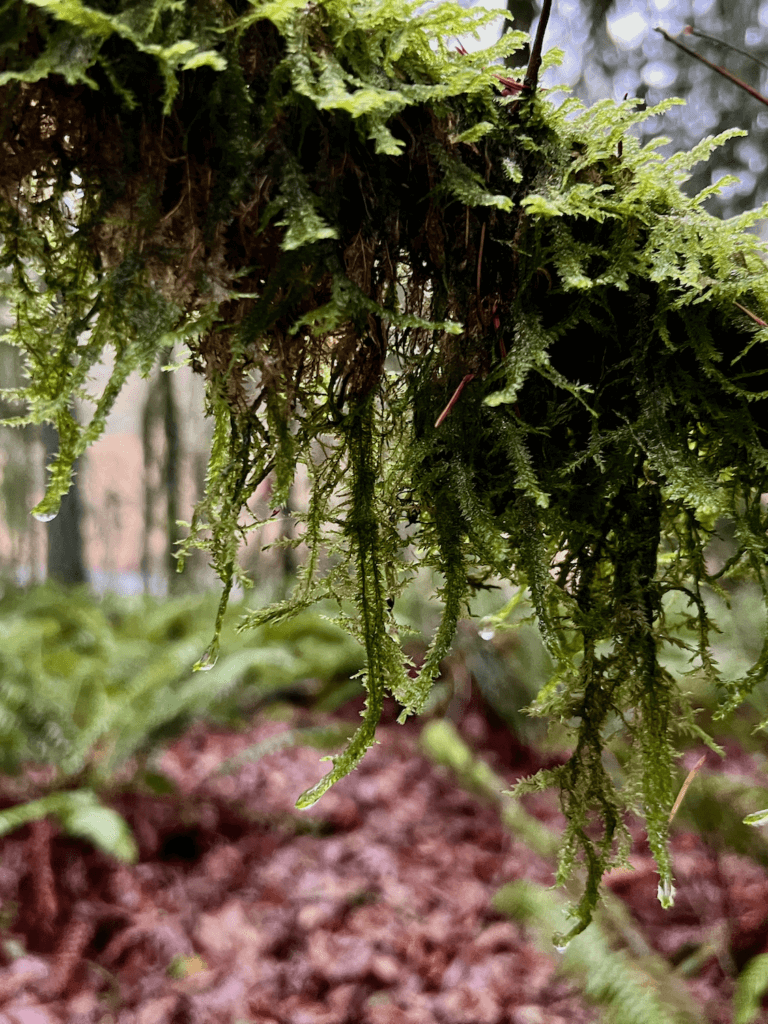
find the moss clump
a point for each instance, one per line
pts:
(499, 334)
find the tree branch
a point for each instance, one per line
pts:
(531, 79)
(715, 67)
(689, 30)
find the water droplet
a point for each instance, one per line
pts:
(666, 893)
(487, 633)
(207, 661)
(45, 517)
(561, 948)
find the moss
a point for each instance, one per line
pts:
(497, 331)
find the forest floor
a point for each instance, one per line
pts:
(373, 907)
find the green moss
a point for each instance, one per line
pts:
(502, 338)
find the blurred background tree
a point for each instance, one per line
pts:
(65, 562)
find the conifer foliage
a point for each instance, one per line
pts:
(500, 335)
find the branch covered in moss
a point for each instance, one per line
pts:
(500, 335)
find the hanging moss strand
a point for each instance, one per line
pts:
(362, 528)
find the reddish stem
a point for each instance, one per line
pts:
(749, 312)
(454, 399)
(715, 67)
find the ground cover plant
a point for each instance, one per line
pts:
(504, 340)
(90, 690)
(416, 889)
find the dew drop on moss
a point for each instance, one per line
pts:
(666, 893)
(206, 663)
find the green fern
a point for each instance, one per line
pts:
(85, 686)
(626, 985)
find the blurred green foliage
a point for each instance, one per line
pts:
(612, 964)
(86, 684)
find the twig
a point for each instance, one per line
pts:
(480, 263)
(531, 79)
(511, 85)
(45, 901)
(749, 312)
(454, 399)
(69, 952)
(715, 67)
(684, 788)
(689, 30)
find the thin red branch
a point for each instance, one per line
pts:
(715, 67)
(480, 263)
(511, 85)
(689, 30)
(749, 313)
(684, 788)
(454, 399)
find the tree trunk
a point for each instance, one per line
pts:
(65, 542)
(171, 476)
(523, 12)
(161, 475)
